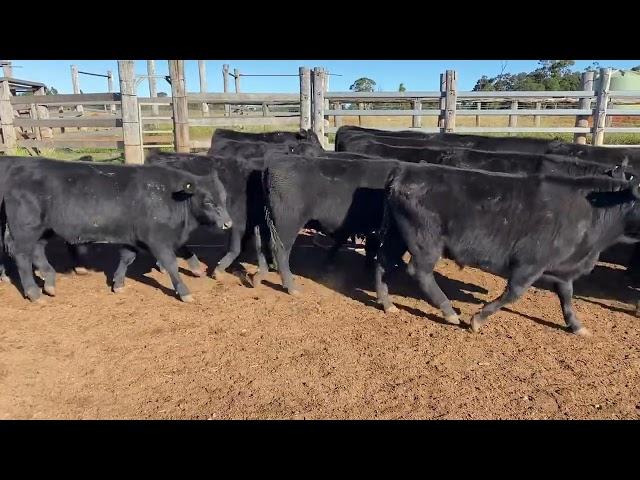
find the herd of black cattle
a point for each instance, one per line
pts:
(526, 209)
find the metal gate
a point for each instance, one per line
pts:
(154, 121)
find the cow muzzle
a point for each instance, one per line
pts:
(226, 225)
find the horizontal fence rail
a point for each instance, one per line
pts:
(124, 120)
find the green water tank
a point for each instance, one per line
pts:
(621, 80)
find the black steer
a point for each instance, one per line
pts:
(338, 194)
(522, 227)
(149, 207)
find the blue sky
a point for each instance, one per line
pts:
(422, 75)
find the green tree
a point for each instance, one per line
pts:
(636, 68)
(363, 84)
(550, 75)
(402, 88)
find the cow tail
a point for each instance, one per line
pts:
(386, 215)
(276, 243)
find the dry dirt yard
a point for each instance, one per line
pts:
(239, 352)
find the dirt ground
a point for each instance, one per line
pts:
(239, 352)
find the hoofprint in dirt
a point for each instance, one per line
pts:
(239, 352)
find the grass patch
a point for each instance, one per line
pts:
(98, 154)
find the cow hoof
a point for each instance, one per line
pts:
(50, 290)
(294, 291)
(38, 274)
(118, 289)
(187, 298)
(4, 279)
(390, 308)
(255, 280)
(161, 269)
(198, 273)
(583, 332)
(452, 319)
(81, 271)
(476, 323)
(35, 295)
(217, 273)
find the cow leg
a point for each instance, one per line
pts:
(193, 262)
(520, 280)
(161, 269)
(263, 266)
(371, 247)
(127, 256)
(79, 255)
(339, 240)
(287, 237)
(47, 272)
(3, 273)
(235, 247)
(421, 269)
(564, 290)
(23, 255)
(3, 257)
(390, 252)
(167, 258)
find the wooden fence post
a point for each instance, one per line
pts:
(417, 119)
(325, 89)
(202, 70)
(585, 103)
(225, 83)
(443, 103)
(7, 69)
(450, 101)
(130, 114)
(361, 106)
(536, 118)
(513, 119)
(112, 107)
(33, 113)
(236, 77)
(153, 89)
(75, 80)
(337, 119)
(305, 98)
(6, 117)
(318, 104)
(43, 113)
(180, 106)
(478, 107)
(600, 116)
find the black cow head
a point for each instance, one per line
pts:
(208, 200)
(622, 171)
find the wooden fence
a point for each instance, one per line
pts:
(125, 121)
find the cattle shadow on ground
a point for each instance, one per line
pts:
(607, 283)
(540, 321)
(628, 311)
(105, 257)
(351, 277)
